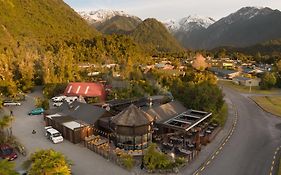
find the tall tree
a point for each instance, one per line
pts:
(200, 62)
(47, 162)
(5, 123)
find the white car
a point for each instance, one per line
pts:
(57, 104)
(53, 134)
(58, 98)
(71, 99)
(11, 103)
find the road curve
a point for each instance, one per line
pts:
(253, 144)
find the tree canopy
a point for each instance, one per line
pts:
(47, 162)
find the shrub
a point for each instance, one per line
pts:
(268, 81)
(51, 90)
(42, 102)
(179, 161)
(128, 161)
(154, 159)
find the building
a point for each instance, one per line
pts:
(86, 90)
(76, 120)
(244, 81)
(73, 130)
(172, 117)
(133, 128)
(224, 73)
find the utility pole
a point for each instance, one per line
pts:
(250, 90)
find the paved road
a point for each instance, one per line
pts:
(251, 148)
(85, 162)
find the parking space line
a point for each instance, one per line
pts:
(202, 168)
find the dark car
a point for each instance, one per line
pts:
(7, 152)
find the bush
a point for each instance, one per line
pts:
(51, 90)
(221, 116)
(128, 161)
(42, 103)
(154, 159)
(179, 161)
(268, 81)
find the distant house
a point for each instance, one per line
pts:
(227, 64)
(166, 65)
(244, 81)
(86, 90)
(248, 70)
(225, 73)
(92, 74)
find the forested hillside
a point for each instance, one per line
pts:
(44, 20)
(43, 42)
(119, 25)
(152, 34)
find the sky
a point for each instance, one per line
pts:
(172, 9)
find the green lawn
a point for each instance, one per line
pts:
(271, 104)
(244, 89)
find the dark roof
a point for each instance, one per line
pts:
(80, 111)
(86, 112)
(61, 109)
(222, 71)
(248, 70)
(63, 119)
(132, 116)
(242, 78)
(166, 111)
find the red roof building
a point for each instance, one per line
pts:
(86, 90)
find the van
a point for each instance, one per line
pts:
(53, 134)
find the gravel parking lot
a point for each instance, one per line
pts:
(85, 162)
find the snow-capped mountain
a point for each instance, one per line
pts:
(247, 26)
(172, 25)
(246, 13)
(189, 23)
(102, 15)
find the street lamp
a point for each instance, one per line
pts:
(250, 82)
(173, 156)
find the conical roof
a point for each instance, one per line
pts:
(132, 116)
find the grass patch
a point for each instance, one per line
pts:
(221, 117)
(245, 89)
(270, 104)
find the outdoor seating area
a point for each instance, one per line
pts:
(187, 144)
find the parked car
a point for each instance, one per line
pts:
(22, 172)
(53, 134)
(11, 103)
(58, 98)
(71, 99)
(57, 104)
(7, 152)
(36, 111)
